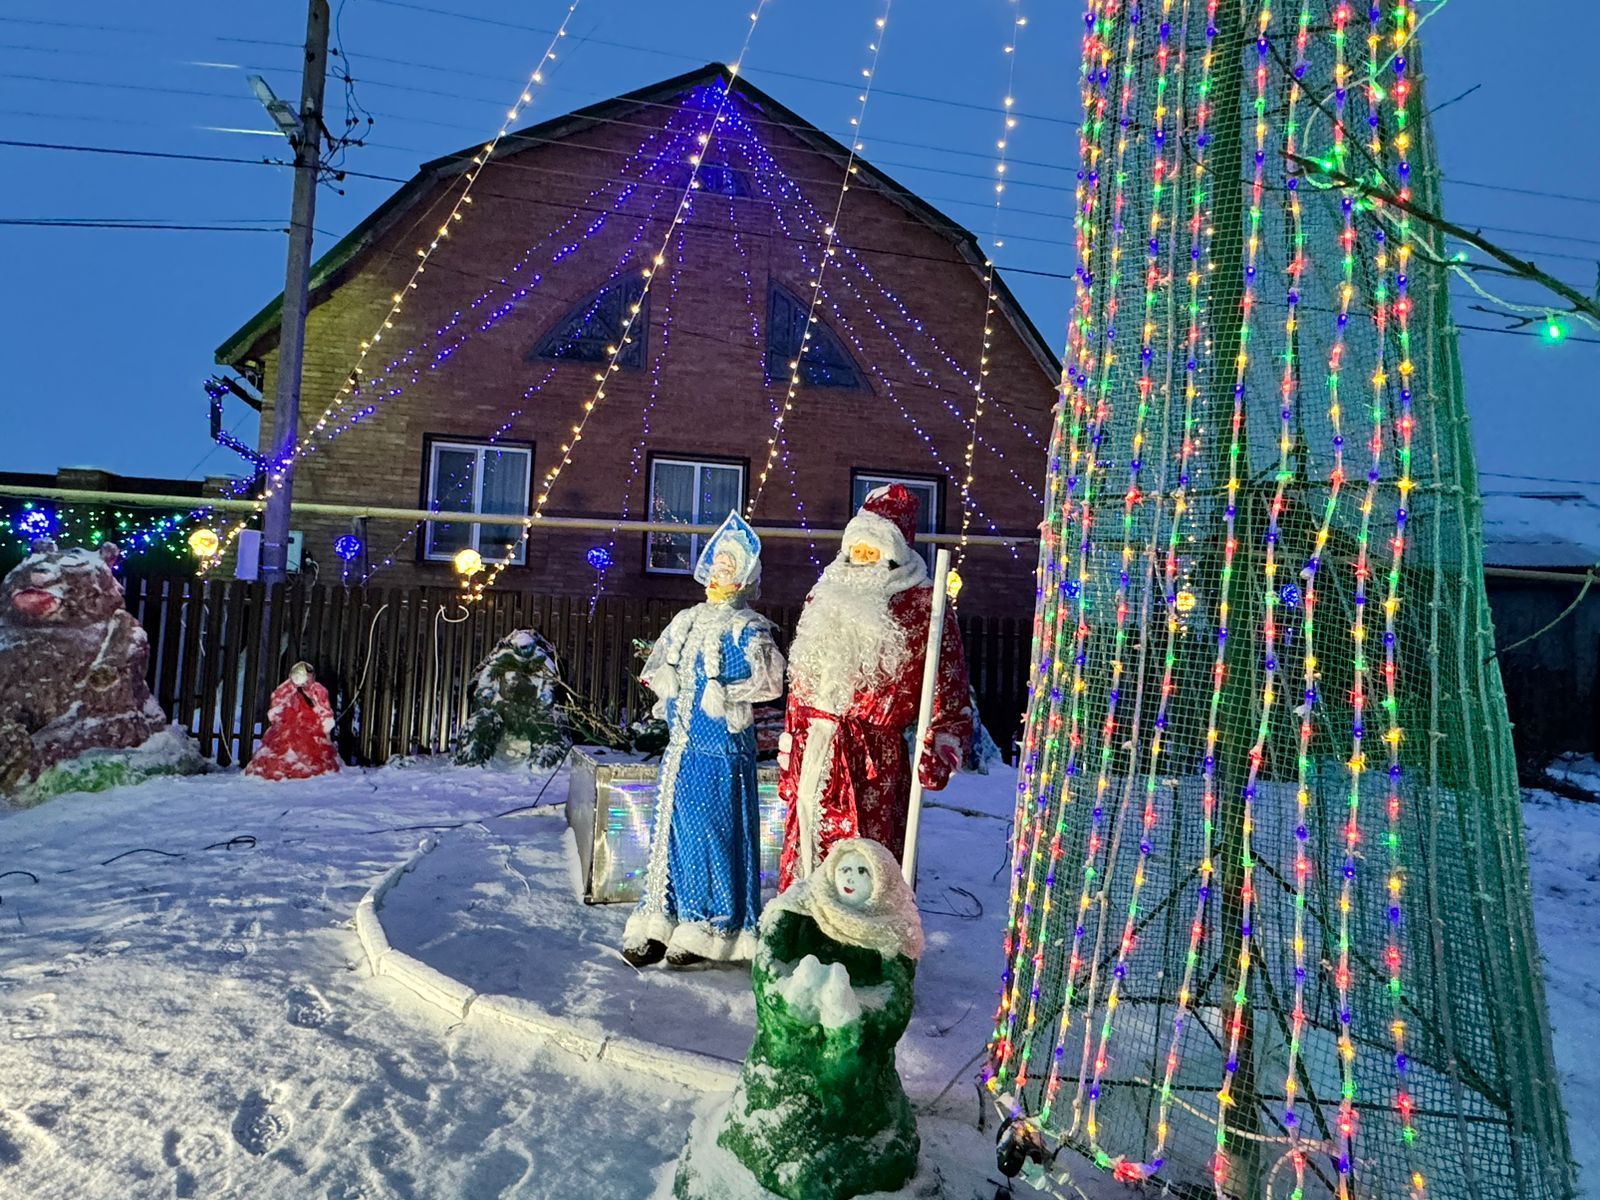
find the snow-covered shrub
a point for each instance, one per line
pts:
(517, 715)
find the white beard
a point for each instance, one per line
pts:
(847, 640)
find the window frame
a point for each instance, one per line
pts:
(776, 359)
(432, 444)
(697, 461)
(880, 478)
(635, 354)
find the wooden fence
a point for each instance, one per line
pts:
(398, 663)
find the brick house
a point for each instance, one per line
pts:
(498, 350)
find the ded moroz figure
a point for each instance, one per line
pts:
(702, 889)
(855, 676)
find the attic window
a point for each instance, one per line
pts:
(589, 330)
(825, 362)
(717, 177)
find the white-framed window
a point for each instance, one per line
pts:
(689, 491)
(863, 484)
(477, 477)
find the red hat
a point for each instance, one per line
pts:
(896, 504)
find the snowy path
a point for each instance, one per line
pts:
(206, 1026)
(492, 908)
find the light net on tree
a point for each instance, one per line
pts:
(1270, 927)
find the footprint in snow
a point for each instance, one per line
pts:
(260, 1126)
(242, 942)
(307, 1008)
(198, 1163)
(36, 1019)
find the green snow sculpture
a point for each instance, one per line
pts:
(819, 1112)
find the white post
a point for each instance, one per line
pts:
(930, 684)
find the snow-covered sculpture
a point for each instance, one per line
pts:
(714, 661)
(298, 743)
(72, 678)
(819, 1112)
(855, 680)
(516, 715)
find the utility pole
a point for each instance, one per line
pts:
(305, 135)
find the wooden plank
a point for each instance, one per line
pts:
(629, 612)
(229, 650)
(311, 629)
(599, 630)
(190, 666)
(381, 688)
(170, 655)
(433, 651)
(260, 656)
(419, 652)
(210, 673)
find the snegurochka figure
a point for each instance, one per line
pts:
(702, 890)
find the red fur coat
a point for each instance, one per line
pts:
(860, 786)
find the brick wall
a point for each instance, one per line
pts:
(710, 395)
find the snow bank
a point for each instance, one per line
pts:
(170, 752)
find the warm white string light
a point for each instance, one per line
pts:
(1008, 123)
(279, 470)
(830, 232)
(613, 363)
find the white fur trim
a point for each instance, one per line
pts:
(691, 937)
(785, 742)
(816, 769)
(876, 531)
(713, 701)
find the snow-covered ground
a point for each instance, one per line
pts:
(1564, 854)
(197, 1018)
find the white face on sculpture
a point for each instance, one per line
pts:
(299, 675)
(852, 878)
(723, 568)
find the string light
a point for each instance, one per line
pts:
(426, 250)
(1008, 123)
(810, 226)
(819, 274)
(724, 95)
(90, 526)
(204, 543)
(35, 524)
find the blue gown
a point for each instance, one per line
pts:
(702, 889)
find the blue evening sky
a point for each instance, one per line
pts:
(107, 334)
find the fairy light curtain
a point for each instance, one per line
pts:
(1270, 930)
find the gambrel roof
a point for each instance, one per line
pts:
(260, 333)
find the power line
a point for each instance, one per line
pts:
(1541, 479)
(853, 86)
(1008, 270)
(36, 223)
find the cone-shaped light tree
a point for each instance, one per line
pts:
(1270, 928)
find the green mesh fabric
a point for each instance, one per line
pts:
(1270, 932)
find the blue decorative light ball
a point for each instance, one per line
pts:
(35, 523)
(599, 558)
(1290, 595)
(347, 547)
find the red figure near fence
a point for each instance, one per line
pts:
(298, 743)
